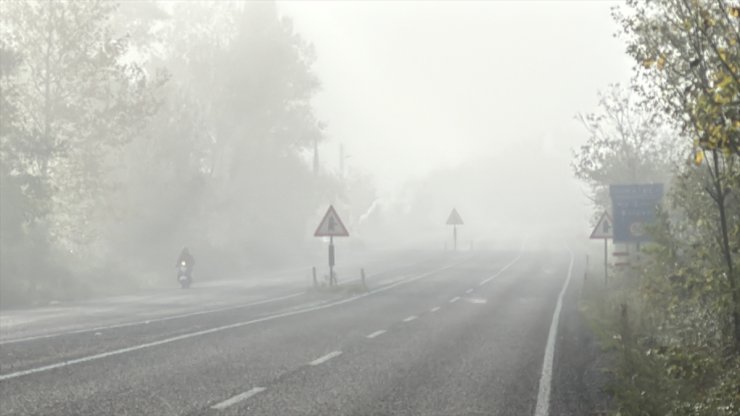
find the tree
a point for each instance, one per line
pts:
(19, 250)
(75, 103)
(262, 122)
(628, 142)
(688, 63)
(223, 160)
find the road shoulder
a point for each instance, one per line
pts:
(579, 374)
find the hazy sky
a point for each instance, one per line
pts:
(412, 86)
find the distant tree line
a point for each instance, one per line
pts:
(130, 130)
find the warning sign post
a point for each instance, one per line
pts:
(331, 226)
(454, 220)
(604, 230)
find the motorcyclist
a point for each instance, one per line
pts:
(189, 260)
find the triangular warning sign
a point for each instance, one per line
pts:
(331, 226)
(604, 228)
(454, 218)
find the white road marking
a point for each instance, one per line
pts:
(455, 299)
(325, 358)
(238, 398)
(410, 318)
(434, 309)
(479, 301)
(543, 396)
(502, 269)
(469, 291)
(376, 334)
(215, 329)
(149, 321)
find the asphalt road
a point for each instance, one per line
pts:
(455, 334)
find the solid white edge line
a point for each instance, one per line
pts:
(216, 329)
(455, 299)
(543, 396)
(435, 309)
(325, 358)
(149, 321)
(238, 398)
(376, 334)
(410, 318)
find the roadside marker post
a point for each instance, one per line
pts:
(331, 226)
(604, 230)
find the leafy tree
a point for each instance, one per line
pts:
(688, 55)
(115, 164)
(18, 248)
(629, 142)
(224, 158)
(263, 122)
(75, 102)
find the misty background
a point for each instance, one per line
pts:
(131, 130)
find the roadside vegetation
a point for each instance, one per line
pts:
(132, 129)
(671, 320)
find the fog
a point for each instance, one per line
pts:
(230, 128)
(471, 104)
(428, 207)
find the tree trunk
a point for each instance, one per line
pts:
(720, 200)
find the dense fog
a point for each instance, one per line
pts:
(370, 207)
(132, 130)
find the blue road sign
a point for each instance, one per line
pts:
(633, 208)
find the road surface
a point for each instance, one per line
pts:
(455, 334)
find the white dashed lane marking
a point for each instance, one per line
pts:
(410, 318)
(469, 291)
(455, 299)
(376, 334)
(434, 309)
(238, 398)
(325, 358)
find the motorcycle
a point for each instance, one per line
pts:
(183, 276)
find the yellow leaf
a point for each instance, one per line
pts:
(723, 54)
(661, 62)
(698, 157)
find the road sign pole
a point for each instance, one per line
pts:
(331, 226)
(331, 261)
(605, 231)
(606, 266)
(454, 236)
(454, 220)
